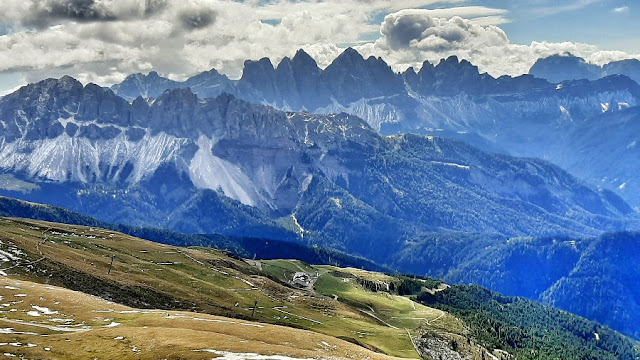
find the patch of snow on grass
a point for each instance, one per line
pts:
(44, 310)
(225, 355)
(59, 320)
(6, 256)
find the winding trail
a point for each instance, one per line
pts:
(430, 322)
(415, 346)
(279, 308)
(249, 283)
(377, 318)
(50, 327)
(42, 257)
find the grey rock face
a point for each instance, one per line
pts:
(630, 68)
(151, 85)
(522, 116)
(350, 77)
(331, 172)
(559, 68)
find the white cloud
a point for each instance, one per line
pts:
(562, 7)
(411, 36)
(620, 10)
(102, 41)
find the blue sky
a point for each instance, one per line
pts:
(611, 24)
(103, 41)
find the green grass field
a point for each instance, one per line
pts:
(155, 276)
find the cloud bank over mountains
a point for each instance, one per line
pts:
(102, 41)
(411, 36)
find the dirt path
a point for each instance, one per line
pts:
(430, 322)
(279, 308)
(377, 318)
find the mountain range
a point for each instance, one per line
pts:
(224, 165)
(563, 67)
(214, 162)
(521, 116)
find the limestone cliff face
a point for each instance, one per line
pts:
(339, 178)
(544, 117)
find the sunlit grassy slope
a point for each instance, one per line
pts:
(148, 275)
(43, 321)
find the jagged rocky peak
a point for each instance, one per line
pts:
(102, 105)
(426, 68)
(352, 60)
(65, 84)
(348, 58)
(417, 79)
(617, 86)
(254, 70)
(175, 112)
(150, 76)
(299, 83)
(629, 67)
(454, 65)
(380, 68)
(302, 65)
(41, 103)
(139, 115)
(562, 67)
(149, 86)
(450, 76)
(302, 60)
(260, 75)
(350, 77)
(349, 62)
(179, 94)
(209, 75)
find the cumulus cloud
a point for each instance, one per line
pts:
(419, 30)
(44, 13)
(196, 18)
(103, 41)
(410, 37)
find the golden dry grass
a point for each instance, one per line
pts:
(201, 280)
(143, 333)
